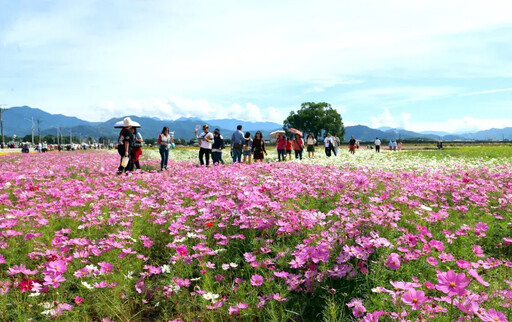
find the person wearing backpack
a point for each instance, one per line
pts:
(237, 140)
(217, 147)
(247, 148)
(164, 143)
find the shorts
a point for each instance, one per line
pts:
(247, 153)
(311, 148)
(289, 152)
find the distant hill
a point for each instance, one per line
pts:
(17, 120)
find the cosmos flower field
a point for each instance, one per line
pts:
(368, 237)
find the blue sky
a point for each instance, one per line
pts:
(419, 65)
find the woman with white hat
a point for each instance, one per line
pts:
(125, 144)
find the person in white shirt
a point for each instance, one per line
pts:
(328, 145)
(377, 144)
(205, 145)
(336, 142)
(310, 143)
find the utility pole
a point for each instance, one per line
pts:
(70, 137)
(31, 120)
(2, 122)
(39, 130)
(58, 131)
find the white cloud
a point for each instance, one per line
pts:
(461, 125)
(490, 91)
(386, 118)
(175, 107)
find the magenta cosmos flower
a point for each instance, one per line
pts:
(256, 280)
(393, 261)
(452, 283)
(414, 298)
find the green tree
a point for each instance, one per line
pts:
(316, 118)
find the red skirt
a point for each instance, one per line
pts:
(136, 153)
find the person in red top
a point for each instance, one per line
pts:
(298, 146)
(289, 148)
(281, 147)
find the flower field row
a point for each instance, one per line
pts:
(325, 240)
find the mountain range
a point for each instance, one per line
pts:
(18, 120)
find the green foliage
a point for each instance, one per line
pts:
(316, 118)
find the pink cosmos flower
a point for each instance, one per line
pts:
(78, 300)
(53, 280)
(432, 261)
(478, 251)
(105, 267)
(452, 283)
(507, 240)
(182, 250)
(2, 259)
(57, 267)
(414, 298)
(393, 261)
(492, 316)
(21, 269)
(256, 280)
(477, 277)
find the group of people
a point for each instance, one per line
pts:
(242, 144)
(392, 145)
(244, 147)
(332, 144)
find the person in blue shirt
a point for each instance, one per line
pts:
(237, 140)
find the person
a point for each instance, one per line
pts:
(164, 144)
(217, 146)
(39, 147)
(289, 148)
(377, 144)
(125, 145)
(237, 140)
(390, 145)
(258, 147)
(44, 147)
(352, 145)
(205, 147)
(298, 146)
(137, 147)
(281, 147)
(310, 142)
(400, 145)
(336, 143)
(394, 145)
(328, 144)
(247, 148)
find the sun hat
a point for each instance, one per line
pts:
(128, 122)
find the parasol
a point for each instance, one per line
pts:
(275, 133)
(295, 131)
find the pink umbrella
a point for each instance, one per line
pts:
(295, 131)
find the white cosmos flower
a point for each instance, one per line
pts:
(166, 268)
(425, 208)
(87, 285)
(211, 296)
